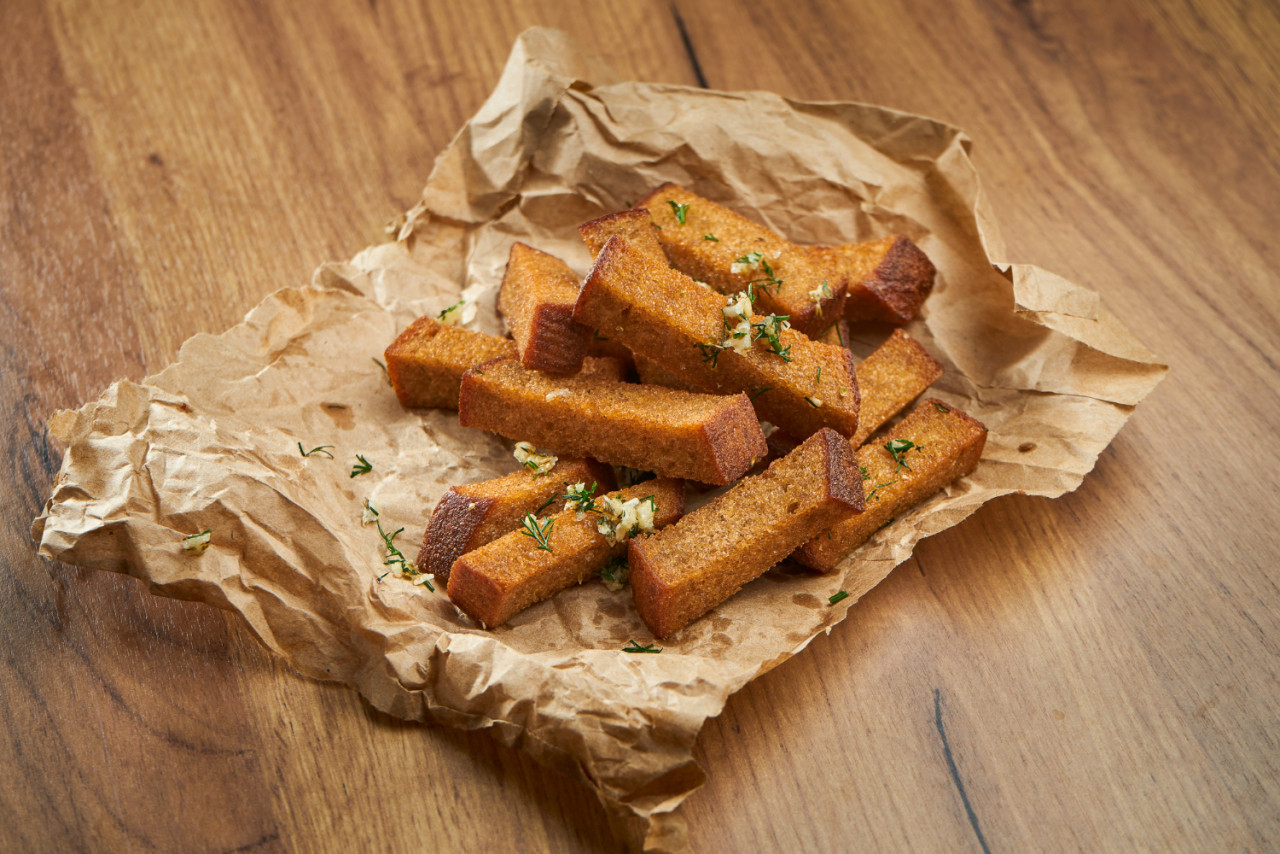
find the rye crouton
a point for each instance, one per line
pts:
(550, 553)
(933, 446)
(470, 515)
(537, 297)
(703, 437)
(716, 344)
(684, 571)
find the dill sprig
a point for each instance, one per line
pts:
(396, 558)
(771, 329)
(385, 372)
(836, 597)
(616, 573)
(579, 497)
(681, 211)
(711, 237)
(635, 647)
(898, 448)
(319, 450)
(872, 496)
(361, 467)
(530, 528)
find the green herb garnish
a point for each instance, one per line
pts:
(615, 573)
(396, 558)
(877, 489)
(579, 497)
(815, 402)
(362, 467)
(530, 528)
(759, 390)
(941, 407)
(681, 211)
(385, 372)
(711, 237)
(771, 329)
(444, 317)
(836, 597)
(635, 647)
(898, 448)
(318, 451)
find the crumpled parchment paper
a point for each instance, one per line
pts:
(211, 441)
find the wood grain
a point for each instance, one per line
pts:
(1092, 672)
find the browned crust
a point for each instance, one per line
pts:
(896, 373)
(889, 278)
(635, 225)
(707, 438)
(426, 361)
(470, 515)
(711, 261)
(661, 314)
(537, 297)
(498, 580)
(949, 445)
(684, 571)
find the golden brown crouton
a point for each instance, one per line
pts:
(537, 297)
(548, 554)
(470, 515)
(933, 446)
(888, 279)
(661, 314)
(896, 373)
(635, 225)
(703, 437)
(427, 360)
(713, 244)
(684, 571)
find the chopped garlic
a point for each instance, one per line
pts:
(560, 392)
(370, 513)
(821, 292)
(460, 313)
(738, 335)
(197, 543)
(423, 578)
(533, 459)
(624, 519)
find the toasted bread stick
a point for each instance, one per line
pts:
(703, 437)
(935, 445)
(470, 515)
(427, 360)
(684, 571)
(537, 298)
(713, 244)
(896, 373)
(888, 279)
(498, 580)
(635, 225)
(659, 313)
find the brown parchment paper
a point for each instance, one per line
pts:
(211, 441)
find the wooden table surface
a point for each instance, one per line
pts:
(1095, 672)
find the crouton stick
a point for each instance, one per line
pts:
(717, 344)
(888, 279)
(427, 360)
(536, 298)
(470, 515)
(896, 373)
(635, 225)
(550, 553)
(684, 571)
(727, 251)
(703, 437)
(933, 446)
